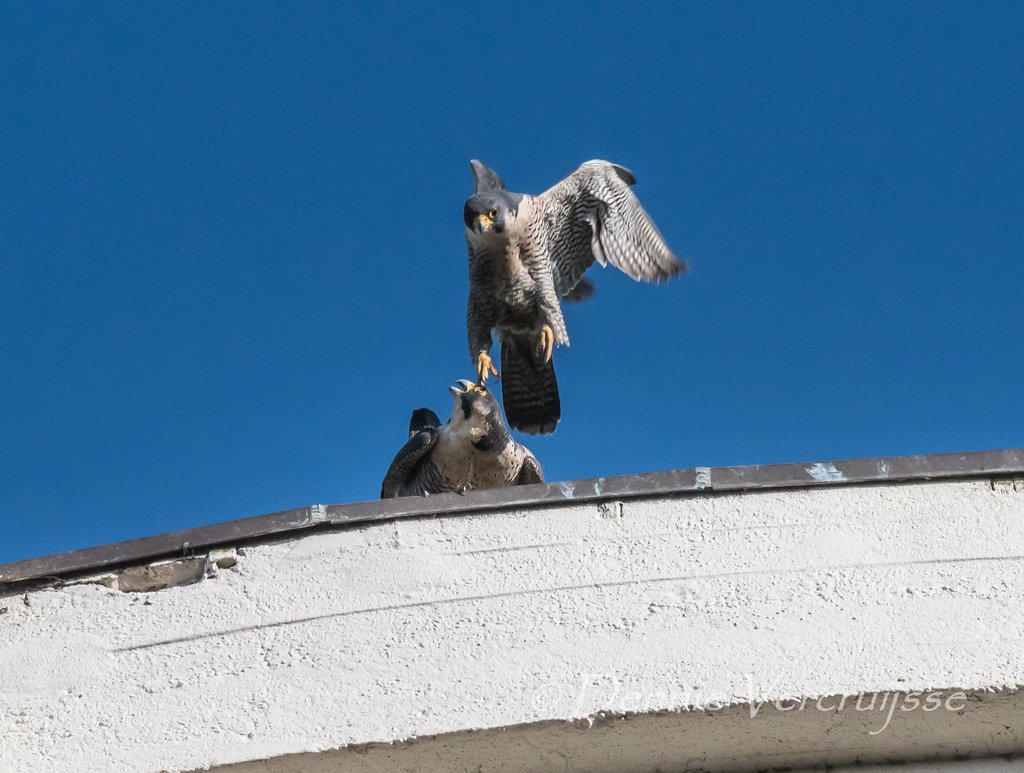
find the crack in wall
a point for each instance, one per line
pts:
(559, 589)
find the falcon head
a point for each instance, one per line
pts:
(491, 208)
(475, 413)
(490, 212)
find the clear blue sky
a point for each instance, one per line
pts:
(232, 258)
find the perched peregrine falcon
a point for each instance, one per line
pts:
(528, 252)
(472, 450)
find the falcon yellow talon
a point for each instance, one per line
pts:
(484, 368)
(546, 344)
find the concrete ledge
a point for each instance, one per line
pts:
(733, 739)
(575, 634)
(698, 480)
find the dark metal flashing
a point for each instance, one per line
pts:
(699, 480)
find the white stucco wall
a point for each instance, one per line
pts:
(436, 626)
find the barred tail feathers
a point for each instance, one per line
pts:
(529, 389)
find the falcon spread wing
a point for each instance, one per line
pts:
(593, 215)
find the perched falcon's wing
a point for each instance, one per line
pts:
(593, 215)
(404, 465)
(530, 471)
(421, 419)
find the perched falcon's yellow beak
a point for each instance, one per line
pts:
(465, 386)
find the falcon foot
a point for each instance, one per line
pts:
(484, 368)
(546, 344)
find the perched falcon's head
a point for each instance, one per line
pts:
(476, 414)
(491, 209)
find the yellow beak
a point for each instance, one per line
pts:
(482, 222)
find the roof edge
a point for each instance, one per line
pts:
(697, 480)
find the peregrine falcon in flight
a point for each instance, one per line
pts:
(528, 252)
(472, 450)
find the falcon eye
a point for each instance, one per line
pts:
(492, 214)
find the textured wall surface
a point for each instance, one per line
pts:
(436, 626)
